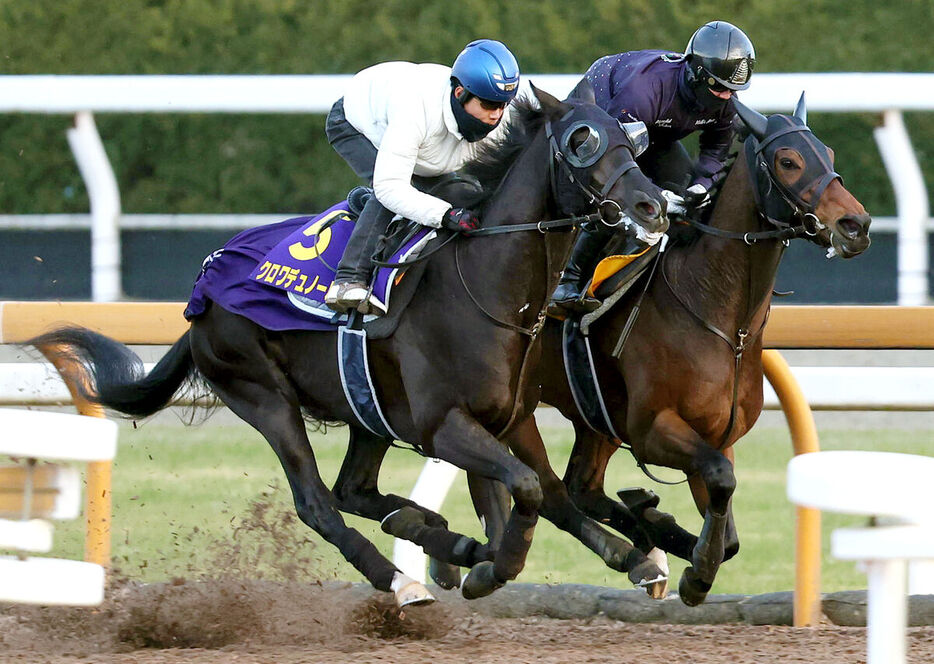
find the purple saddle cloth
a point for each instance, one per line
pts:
(277, 275)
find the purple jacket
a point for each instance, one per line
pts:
(650, 86)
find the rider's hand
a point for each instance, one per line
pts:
(696, 196)
(460, 220)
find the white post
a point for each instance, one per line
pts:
(102, 189)
(887, 611)
(430, 489)
(911, 203)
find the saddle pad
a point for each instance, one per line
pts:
(357, 383)
(579, 368)
(277, 275)
(610, 266)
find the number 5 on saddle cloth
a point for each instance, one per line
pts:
(277, 275)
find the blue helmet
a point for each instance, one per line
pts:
(488, 70)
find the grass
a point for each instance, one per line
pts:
(196, 500)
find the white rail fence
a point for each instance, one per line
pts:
(886, 93)
(825, 388)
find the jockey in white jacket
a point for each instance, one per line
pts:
(399, 120)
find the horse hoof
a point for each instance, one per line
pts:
(398, 522)
(447, 576)
(691, 589)
(658, 589)
(646, 573)
(409, 592)
(480, 581)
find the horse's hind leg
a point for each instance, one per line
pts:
(357, 492)
(647, 527)
(248, 381)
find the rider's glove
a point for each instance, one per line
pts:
(460, 220)
(696, 196)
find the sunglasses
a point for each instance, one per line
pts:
(488, 105)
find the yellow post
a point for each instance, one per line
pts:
(807, 608)
(98, 506)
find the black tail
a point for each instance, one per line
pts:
(116, 374)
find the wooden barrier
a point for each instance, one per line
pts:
(789, 326)
(815, 327)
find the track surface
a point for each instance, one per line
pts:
(267, 622)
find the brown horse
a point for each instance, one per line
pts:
(686, 383)
(453, 375)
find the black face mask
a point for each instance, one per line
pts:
(471, 128)
(695, 89)
(707, 99)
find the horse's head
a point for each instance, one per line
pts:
(593, 163)
(796, 184)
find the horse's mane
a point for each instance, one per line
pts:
(492, 163)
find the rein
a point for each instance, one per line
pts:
(743, 337)
(573, 222)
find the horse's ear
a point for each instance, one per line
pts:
(584, 91)
(801, 111)
(550, 105)
(753, 119)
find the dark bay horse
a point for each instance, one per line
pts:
(452, 378)
(687, 382)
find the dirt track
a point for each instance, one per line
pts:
(237, 621)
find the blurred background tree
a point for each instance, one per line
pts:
(275, 163)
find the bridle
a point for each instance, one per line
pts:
(796, 209)
(561, 164)
(764, 182)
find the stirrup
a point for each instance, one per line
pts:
(580, 303)
(346, 295)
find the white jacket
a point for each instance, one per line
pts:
(405, 111)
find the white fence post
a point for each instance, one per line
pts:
(430, 489)
(911, 202)
(102, 188)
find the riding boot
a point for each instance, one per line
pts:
(349, 289)
(571, 296)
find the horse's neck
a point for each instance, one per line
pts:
(727, 280)
(515, 264)
(524, 193)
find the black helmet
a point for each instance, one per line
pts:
(721, 54)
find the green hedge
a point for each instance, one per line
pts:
(182, 163)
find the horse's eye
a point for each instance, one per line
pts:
(785, 162)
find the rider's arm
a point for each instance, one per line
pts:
(714, 144)
(395, 164)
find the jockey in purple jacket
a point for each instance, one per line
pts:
(675, 95)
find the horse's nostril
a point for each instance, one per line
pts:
(850, 227)
(647, 210)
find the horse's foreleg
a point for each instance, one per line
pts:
(672, 442)
(357, 492)
(462, 441)
(646, 526)
(702, 500)
(491, 503)
(618, 554)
